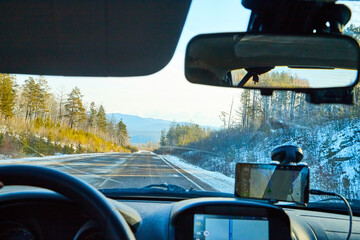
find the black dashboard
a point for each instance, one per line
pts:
(48, 215)
(39, 216)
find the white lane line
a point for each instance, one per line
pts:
(72, 158)
(180, 172)
(89, 174)
(116, 165)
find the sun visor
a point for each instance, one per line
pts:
(89, 38)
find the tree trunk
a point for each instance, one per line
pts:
(292, 104)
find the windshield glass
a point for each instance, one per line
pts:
(161, 129)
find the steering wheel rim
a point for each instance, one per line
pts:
(92, 201)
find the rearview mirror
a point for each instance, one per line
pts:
(273, 62)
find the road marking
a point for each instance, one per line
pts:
(116, 165)
(89, 174)
(166, 161)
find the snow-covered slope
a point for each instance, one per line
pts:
(332, 150)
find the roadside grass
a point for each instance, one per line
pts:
(19, 138)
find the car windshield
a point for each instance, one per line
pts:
(160, 130)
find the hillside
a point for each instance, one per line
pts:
(332, 150)
(19, 138)
(36, 120)
(143, 130)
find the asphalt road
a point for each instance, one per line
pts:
(120, 170)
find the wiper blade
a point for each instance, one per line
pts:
(328, 200)
(169, 187)
(353, 202)
(160, 190)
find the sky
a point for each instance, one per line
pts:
(167, 94)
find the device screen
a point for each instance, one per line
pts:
(272, 182)
(219, 227)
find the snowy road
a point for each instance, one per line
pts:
(125, 170)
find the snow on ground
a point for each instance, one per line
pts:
(217, 180)
(348, 152)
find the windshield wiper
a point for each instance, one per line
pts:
(353, 202)
(160, 191)
(169, 187)
(163, 187)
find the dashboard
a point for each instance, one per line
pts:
(48, 215)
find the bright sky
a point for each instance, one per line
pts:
(167, 94)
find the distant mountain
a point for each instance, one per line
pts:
(142, 130)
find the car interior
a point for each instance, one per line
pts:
(119, 38)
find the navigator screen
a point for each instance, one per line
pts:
(219, 227)
(272, 182)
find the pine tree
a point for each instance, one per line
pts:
(74, 107)
(101, 118)
(163, 138)
(183, 134)
(171, 135)
(7, 95)
(122, 134)
(92, 115)
(111, 130)
(35, 94)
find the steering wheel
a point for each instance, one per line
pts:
(93, 202)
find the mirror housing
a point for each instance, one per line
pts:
(268, 62)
